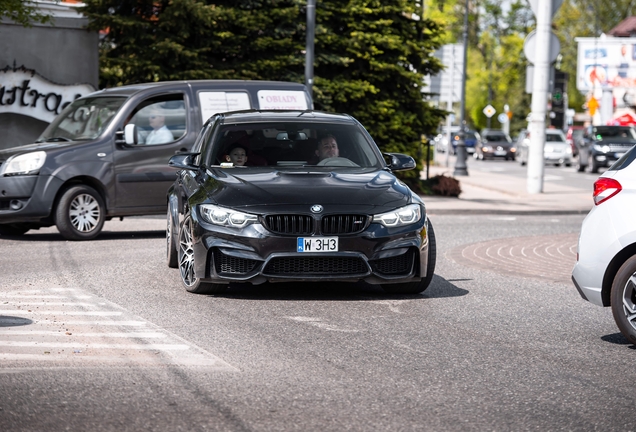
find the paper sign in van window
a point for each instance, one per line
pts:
(217, 102)
(282, 99)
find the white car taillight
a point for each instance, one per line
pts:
(604, 189)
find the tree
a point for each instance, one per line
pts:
(22, 12)
(371, 56)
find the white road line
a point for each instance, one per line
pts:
(82, 334)
(56, 303)
(59, 312)
(131, 347)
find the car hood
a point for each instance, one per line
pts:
(263, 191)
(7, 153)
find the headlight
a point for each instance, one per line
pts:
(28, 163)
(602, 148)
(226, 217)
(410, 214)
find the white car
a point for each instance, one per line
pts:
(556, 150)
(605, 270)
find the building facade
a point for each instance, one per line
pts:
(42, 69)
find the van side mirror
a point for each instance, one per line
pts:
(130, 134)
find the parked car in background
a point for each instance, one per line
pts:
(494, 144)
(321, 203)
(470, 140)
(604, 145)
(605, 269)
(555, 150)
(573, 136)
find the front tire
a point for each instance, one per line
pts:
(190, 280)
(80, 213)
(623, 297)
(422, 285)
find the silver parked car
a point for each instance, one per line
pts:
(605, 270)
(556, 150)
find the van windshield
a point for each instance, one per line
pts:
(84, 119)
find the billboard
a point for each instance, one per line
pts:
(607, 63)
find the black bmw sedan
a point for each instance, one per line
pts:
(273, 196)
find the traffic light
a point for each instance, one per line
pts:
(557, 118)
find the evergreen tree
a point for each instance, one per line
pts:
(21, 12)
(371, 56)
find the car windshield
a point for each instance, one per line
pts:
(84, 119)
(552, 137)
(293, 144)
(614, 132)
(496, 137)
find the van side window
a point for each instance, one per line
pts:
(160, 120)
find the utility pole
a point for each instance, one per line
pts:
(460, 161)
(309, 52)
(539, 97)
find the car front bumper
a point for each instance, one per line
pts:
(377, 255)
(27, 198)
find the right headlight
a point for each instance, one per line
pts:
(226, 217)
(407, 215)
(24, 164)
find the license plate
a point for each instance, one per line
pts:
(317, 244)
(500, 153)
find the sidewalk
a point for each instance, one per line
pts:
(498, 193)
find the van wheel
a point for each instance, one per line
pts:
(623, 299)
(422, 285)
(13, 229)
(79, 214)
(190, 280)
(171, 248)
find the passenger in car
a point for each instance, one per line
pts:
(237, 154)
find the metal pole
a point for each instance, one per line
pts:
(539, 97)
(460, 161)
(309, 52)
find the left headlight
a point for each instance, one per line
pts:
(225, 217)
(408, 215)
(28, 163)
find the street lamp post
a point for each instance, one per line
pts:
(460, 161)
(309, 53)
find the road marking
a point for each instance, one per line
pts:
(34, 333)
(60, 312)
(317, 322)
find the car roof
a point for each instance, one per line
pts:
(196, 85)
(259, 116)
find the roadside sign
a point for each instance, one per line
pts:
(489, 111)
(503, 118)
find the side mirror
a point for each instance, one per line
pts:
(184, 161)
(399, 161)
(130, 134)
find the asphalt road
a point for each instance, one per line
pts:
(100, 336)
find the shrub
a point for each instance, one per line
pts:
(441, 185)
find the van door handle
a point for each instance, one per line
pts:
(181, 150)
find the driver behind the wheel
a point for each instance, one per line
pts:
(327, 147)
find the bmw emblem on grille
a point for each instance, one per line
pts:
(316, 208)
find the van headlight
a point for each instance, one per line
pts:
(24, 164)
(407, 215)
(225, 217)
